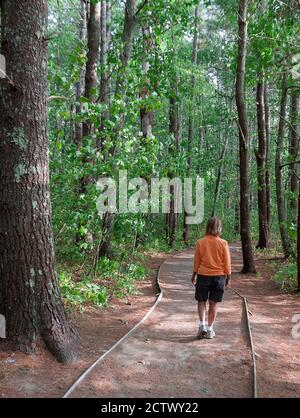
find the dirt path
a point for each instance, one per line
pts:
(164, 359)
(278, 353)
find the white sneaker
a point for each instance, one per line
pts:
(202, 332)
(210, 334)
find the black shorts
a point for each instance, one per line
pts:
(210, 287)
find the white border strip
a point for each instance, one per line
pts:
(88, 371)
(251, 341)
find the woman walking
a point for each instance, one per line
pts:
(212, 266)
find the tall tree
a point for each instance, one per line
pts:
(248, 259)
(93, 40)
(91, 80)
(219, 175)
(80, 85)
(267, 125)
(127, 37)
(294, 151)
(261, 156)
(172, 217)
(281, 212)
(29, 291)
(105, 78)
(146, 114)
(191, 127)
(298, 241)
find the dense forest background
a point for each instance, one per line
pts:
(166, 108)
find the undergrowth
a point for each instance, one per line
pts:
(81, 287)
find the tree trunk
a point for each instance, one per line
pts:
(91, 78)
(285, 240)
(219, 175)
(105, 78)
(29, 290)
(172, 217)
(191, 129)
(298, 241)
(104, 81)
(261, 154)
(146, 115)
(129, 25)
(248, 260)
(294, 150)
(201, 133)
(91, 83)
(267, 124)
(80, 86)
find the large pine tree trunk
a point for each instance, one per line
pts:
(248, 259)
(261, 154)
(285, 240)
(29, 290)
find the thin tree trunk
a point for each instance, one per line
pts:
(105, 78)
(172, 217)
(91, 78)
(174, 129)
(267, 124)
(129, 25)
(201, 133)
(285, 240)
(104, 81)
(294, 150)
(248, 259)
(91, 82)
(29, 290)
(80, 86)
(146, 114)
(298, 240)
(260, 154)
(219, 176)
(191, 128)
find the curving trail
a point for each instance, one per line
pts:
(164, 359)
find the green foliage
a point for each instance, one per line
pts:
(286, 277)
(77, 225)
(116, 277)
(77, 294)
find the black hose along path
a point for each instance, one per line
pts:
(180, 263)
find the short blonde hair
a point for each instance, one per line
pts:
(213, 227)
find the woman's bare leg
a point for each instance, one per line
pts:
(212, 312)
(202, 311)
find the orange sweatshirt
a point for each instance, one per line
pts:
(212, 257)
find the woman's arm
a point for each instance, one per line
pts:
(196, 263)
(227, 264)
